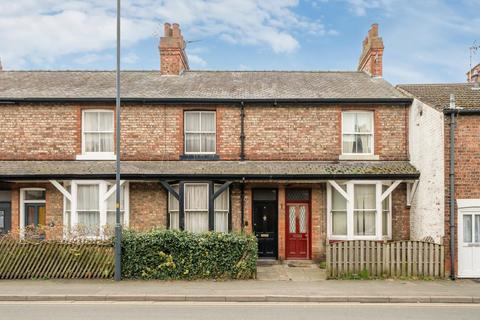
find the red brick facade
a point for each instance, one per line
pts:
(467, 171)
(155, 132)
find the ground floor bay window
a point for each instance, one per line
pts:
(91, 211)
(356, 210)
(196, 208)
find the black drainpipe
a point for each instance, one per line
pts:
(242, 131)
(452, 188)
(242, 205)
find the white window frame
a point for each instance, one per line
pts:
(96, 155)
(350, 185)
(103, 187)
(185, 132)
(23, 201)
(371, 113)
(185, 210)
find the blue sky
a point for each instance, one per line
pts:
(425, 41)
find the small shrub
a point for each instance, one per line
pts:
(169, 254)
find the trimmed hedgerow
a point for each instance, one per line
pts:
(169, 255)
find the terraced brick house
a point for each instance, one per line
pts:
(445, 118)
(297, 158)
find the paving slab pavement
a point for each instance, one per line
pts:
(363, 291)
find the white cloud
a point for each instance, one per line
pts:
(41, 32)
(196, 61)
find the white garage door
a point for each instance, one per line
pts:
(469, 243)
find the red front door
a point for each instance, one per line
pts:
(298, 220)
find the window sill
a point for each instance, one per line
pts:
(199, 157)
(99, 156)
(358, 157)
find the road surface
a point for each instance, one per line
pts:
(233, 311)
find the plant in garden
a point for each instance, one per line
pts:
(169, 254)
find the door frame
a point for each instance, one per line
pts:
(309, 219)
(9, 215)
(465, 206)
(22, 207)
(275, 217)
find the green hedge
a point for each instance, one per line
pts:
(167, 255)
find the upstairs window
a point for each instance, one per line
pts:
(357, 132)
(97, 132)
(200, 132)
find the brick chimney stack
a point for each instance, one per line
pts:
(173, 59)
(372, 53)
(473, 74)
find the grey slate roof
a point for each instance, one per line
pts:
(207, 169)
(438, 95)
(196, 85)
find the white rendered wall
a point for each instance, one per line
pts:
(426, 147)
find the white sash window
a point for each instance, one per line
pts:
(357, 132)
(97, 135)
(200, 132)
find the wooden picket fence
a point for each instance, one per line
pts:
(55, 259)
(385, 259)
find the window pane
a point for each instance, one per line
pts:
(297, 194)
(364, 196)
(348, 124)
(221, 221)
(467, 228)
(196, 221)
(111, 217)
(339, 203)
(192, 142)
(364, 122)
(264, 194)
(196, 197)
(2, 219)
(34, 194)
(292, 219)
(221, 202)
(363, 143)
(89, 222)
(349, 145)
(208, 121)
(385, 215)
(105, 143)
(477, 228)
(90, 121)
(174, 220)
(91, 142)
(364, 223)
(302, 219)
(172, 201)
(105, 122)
(87, 197)
(208, 142)
(339, 223)
(192, 121)
(112, 198)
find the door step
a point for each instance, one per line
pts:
(299, 263)
(267, 262)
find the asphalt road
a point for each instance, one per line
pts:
(233, 311)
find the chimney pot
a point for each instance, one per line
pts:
(166, 29)
(176, 30)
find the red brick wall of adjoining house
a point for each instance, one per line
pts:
(155, 132)
(400, 214)
(467, 171)
(319, 221)
(148, 206)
